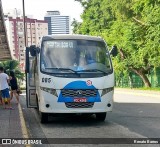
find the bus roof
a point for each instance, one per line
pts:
(69, 36)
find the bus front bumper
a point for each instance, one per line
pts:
(50, 105)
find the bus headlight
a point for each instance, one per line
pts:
(49, 90)
(107, 90)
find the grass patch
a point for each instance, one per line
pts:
(146, 88)
(143, 88)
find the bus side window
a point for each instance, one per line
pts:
(32, 72)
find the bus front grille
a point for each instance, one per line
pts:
(79, 105)
(77, 93)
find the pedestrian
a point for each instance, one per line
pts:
(14, 86)
(4, 87)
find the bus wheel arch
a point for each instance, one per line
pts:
(101, 116)
(43, 117)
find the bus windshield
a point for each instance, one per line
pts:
(75, 56)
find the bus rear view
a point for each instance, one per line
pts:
(70, 74)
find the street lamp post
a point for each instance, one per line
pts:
(19, 52)
(24, 24)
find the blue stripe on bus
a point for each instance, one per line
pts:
(79, 85)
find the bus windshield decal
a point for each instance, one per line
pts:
(61, 44)
(78, 57)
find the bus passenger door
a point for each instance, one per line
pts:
(30, 80)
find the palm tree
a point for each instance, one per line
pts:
(12, 65)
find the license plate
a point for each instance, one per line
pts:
(78, 100)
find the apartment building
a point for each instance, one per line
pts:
(57, 23)
(35, 29)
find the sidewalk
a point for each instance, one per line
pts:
(12, 122)
(140, 92)
(136, 96)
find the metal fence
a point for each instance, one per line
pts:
(135, 81)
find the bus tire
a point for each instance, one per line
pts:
(43, 117)
(101, 116)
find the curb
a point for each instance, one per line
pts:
(23, 125)
(138, 90)
(138, 93)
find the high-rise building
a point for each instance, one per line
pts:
(57, 24)
(12, 13)
(35, 29)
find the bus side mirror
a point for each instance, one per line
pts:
(38, 50)
(114, 51)
(32, 50)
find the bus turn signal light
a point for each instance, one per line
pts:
(107, 90)
(49, 90)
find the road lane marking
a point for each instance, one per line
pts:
(23, 125)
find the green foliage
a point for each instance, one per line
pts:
(76, 26)
(9, 65)
(12, 65)
(133, 25)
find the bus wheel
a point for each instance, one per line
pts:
(43, 117)
(101, 116)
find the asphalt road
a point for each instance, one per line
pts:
(133, 116)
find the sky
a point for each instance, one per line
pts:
(38, 8)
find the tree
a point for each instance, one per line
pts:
(12, 65)
(131, 25)
(76, 26)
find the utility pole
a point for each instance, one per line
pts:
(24, 23)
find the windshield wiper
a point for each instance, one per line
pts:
(61, 69)
(92, 70)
